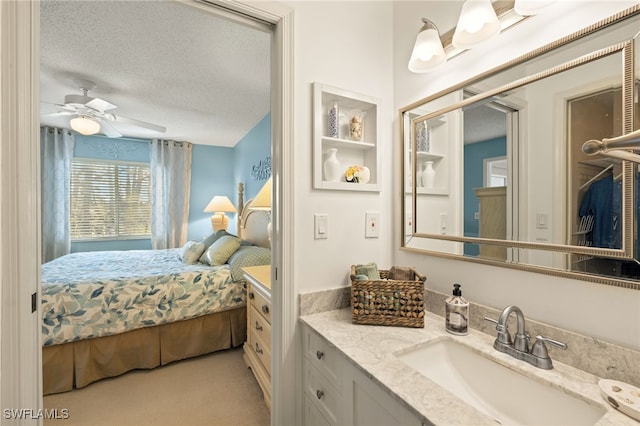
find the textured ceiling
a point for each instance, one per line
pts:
(484, 123)
(204, 78)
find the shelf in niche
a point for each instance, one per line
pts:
(347, 186)
(432, 191)
(330, 142)
(428, 156)
(436, 121)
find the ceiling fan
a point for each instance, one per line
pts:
(92, 116)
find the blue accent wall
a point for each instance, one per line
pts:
(254, 151)
(211, 174)
(214, 171)
(474, 155)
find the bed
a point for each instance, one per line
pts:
(106, 313)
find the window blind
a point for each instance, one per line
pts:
(110, 200)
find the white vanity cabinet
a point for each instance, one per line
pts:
(338, 393)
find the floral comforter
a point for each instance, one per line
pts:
(94, 294)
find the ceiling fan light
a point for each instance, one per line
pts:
(427, 52)
(85, 125)
(477, 23)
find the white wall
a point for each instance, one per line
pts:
(603, 312)
(346, 45)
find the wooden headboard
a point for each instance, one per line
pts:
(252, 224)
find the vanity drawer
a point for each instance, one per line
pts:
(259, 326)
(262, 350)
(260, 303)
(312, 415)
(323, 394)
(321, 355)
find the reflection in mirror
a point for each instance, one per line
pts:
(493, 169)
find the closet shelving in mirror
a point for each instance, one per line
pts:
(351, 151)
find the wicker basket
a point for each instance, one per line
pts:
(391, 302)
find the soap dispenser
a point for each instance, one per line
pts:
(457, 313)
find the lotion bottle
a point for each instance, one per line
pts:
(457, 313)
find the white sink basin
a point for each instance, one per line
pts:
(505, 395)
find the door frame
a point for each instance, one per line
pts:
(20, 342)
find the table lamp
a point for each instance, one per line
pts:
(219, 205)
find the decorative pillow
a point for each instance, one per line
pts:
(221, 250)
(191, 252)
(369, 269)
(248, 256)
(213, 237)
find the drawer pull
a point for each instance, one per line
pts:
(258, 326)
(265, 309)
(251, 295)
(319, 394)
(258, 350)
(319, 354)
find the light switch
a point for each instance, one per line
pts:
(320, 225)
(542, 221)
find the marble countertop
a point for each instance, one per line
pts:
(372, 349)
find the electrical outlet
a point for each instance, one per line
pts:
(372, 225)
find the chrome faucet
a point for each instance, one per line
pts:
(519, 348)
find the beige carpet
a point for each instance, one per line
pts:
(215, 389)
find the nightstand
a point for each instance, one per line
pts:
(257, 349)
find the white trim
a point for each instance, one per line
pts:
(20, 345)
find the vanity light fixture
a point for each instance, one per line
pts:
(530, 7)
(427, 52)
(85, 125)
(477, 23)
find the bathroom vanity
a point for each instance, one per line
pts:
(359, 374)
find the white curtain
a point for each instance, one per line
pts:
(170, 186)
(56, 151)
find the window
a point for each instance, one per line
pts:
(110, 200)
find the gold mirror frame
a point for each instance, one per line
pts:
(628, 246)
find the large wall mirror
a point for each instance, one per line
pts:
(493, 169)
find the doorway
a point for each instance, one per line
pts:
(20, 330)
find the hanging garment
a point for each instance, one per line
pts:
(603, 200)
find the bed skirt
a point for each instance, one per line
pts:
(77, 364)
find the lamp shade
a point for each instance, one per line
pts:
(220, 203)
(85, 125)
(477, 23)
(427, 52)
(262, 201)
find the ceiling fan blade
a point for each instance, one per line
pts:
(108, 129)
(149, 126)
(58, 114)
(100, 105)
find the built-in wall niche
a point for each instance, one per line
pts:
(347, 136)
(431, 155)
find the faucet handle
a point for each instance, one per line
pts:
(503, 333)
(540, 350)
(491, 320)
(553, 342)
